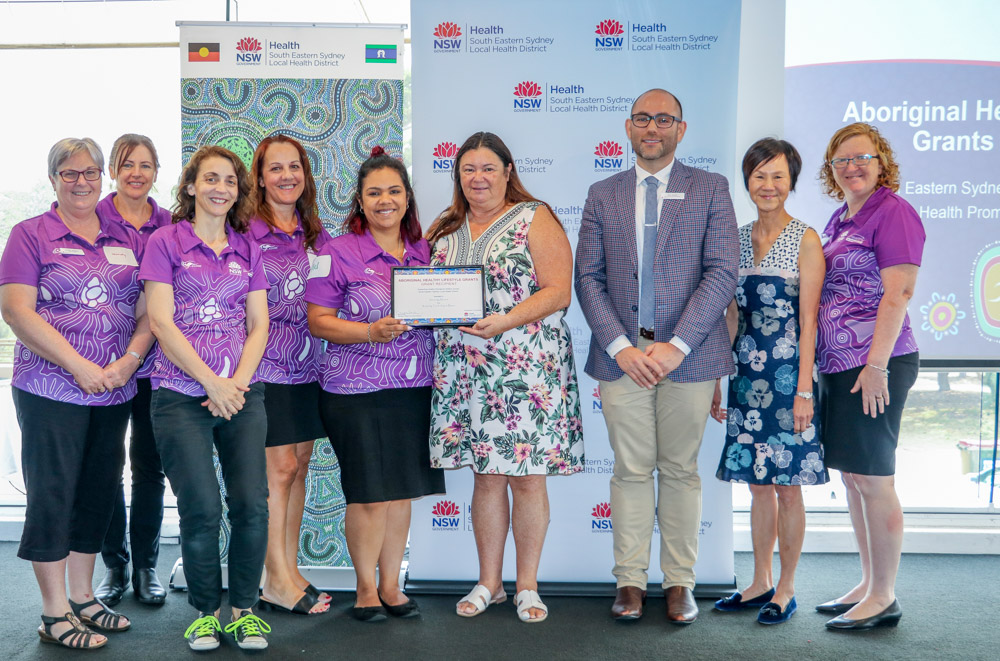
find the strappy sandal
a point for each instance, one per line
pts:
(78, 637)
(525, 600)
(481, 599)
(104, 619)
(304, 606)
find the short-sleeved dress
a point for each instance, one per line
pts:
(507, 405)
(761, 444)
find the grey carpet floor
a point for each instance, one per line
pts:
(951, 605)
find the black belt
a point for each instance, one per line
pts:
(648, 334)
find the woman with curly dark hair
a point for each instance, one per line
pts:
(208, 310)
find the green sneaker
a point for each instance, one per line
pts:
(249, 631)
(203, 634)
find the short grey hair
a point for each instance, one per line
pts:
(68, 147)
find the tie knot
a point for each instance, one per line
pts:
(652, 181)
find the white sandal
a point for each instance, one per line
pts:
(525, 600)
(480, 598)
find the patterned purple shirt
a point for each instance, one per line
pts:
(86, 292)
(160, 217)
(292, 354)
(352, 274)
(886, 231)
(210, 298)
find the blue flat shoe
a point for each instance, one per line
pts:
(771, 612)
(734, 602)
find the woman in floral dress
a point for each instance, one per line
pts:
(505, 399)
(772, 442)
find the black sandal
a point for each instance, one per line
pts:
(77, 638)
(303, 606)
(104, 619)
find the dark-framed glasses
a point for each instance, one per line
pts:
(70, 176)
(861, 160)
(663, 120)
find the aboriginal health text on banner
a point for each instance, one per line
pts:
(337, 89)
(556, 81)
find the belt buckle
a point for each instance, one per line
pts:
(647, 334)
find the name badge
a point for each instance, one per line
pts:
(319, 266)
(673, 196)
(68, 251)
(120, 256)
(855, 238)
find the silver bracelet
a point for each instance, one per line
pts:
(371, 342)
(136, 354)
(804, 394)
(884, 370)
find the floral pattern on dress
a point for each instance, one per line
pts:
(761, 446)
(509, 404)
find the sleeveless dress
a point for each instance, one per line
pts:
(507, 405)
(761, 445)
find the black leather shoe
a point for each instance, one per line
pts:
(368, 613)
(147, 587)
(114, 585)
(887, 618)
(406, 609)
(836, 607)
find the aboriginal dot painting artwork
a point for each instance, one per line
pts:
(338, 122)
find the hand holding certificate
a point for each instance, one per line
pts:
(438, 295)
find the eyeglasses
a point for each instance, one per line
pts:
(663, 120)
(70, 176)
(861, 160)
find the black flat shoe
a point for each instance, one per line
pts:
(369, 614)
(147, 587)
(734, 602)
(887, 618)
(408, 609)
(114, 585)
(836, 607)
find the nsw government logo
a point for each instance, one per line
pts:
(446, 515)
(609, 36)
(527, 97)
(596, 405)
(608, 157)
(444, 157)
(601, 518)
(248, 51)
(446, 38)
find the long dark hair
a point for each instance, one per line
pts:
(409, 227)
(305, 205)
(453, 217)
(239, 214)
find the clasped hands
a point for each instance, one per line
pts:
(649, 367)
(95, 380)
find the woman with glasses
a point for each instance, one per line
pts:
(69, 290)
(133, 166)
(771, 441)
(867, 357)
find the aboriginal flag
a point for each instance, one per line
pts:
(380, 54)
(203, 52)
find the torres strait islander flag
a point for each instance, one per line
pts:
(380, 54)
(203, 52)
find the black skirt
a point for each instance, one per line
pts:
(292, 413)
(382, 443)
(855, 442)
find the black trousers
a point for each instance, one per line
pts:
(71, 460)
(185, 435)
(148, 486)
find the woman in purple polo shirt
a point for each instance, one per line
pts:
(208, 310)
(867, 357)
(287, 228)
(133, 165)
(69, 290)
(376, 378)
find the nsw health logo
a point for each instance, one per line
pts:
(608, 157)
(446, 38)
(527, 97)
(446, 515)
(248, 51)
(444, 157)
(609, 36)
(596, 402)
(601, 518)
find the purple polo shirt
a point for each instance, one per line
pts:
(210, 298)
(351, 273)
(160, 217)
(886, 231)
(292, 354)
(86, 292)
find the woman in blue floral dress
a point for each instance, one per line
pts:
(772, 442)
(505, 399)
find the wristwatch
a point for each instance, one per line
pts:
(804, 394)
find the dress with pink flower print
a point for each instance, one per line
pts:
(508, 405)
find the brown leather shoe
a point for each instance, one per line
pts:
(629, 601)
(681, 607)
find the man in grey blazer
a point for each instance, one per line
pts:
(656, 266)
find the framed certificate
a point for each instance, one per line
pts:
(439, 295)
